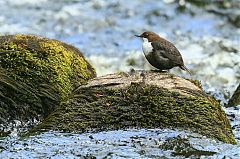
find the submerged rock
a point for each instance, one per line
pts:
(235, 99)
(140, 100)
(182, 147)
(36, 74)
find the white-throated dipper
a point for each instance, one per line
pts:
(161, 53)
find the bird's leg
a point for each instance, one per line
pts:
(143, 77)
(160, 71)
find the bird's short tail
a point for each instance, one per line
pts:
(183, 67)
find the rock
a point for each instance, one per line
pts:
(224, 8)
(182, 147)
(235, 99)
(36, 74)
(140, 100)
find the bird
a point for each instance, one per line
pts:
(161, 53)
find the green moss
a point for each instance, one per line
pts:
(235, 99)
(182, 147)
(139, 107)
(196, 83)
(41, 60)
(36, 74)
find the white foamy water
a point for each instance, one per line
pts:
(130, 143)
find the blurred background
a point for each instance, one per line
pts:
(206, 32)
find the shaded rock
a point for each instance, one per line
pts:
(36, 74)
(182, 147)
(218, 4)
(140, 100)
(235, 99)
(223, 8)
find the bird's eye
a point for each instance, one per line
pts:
(146, 34)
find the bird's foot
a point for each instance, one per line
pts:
(160, 71)
(143, 78)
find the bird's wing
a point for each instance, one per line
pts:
(168, 50)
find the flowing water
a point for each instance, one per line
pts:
(207, 36)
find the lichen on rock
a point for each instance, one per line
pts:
(36, 74)
(140, 100)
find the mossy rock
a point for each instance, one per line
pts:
(36, 74)
(235, 99)
(140, 100)
(182, 147)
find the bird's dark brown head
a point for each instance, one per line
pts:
(151, 36)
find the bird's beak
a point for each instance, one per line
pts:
(138, 36)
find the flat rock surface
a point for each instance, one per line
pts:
(154, 78)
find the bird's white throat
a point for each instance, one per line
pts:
(147, 47)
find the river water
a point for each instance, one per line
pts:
(207, 37)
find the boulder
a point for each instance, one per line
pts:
(36, 74)
(140, 100)
(235, 99)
